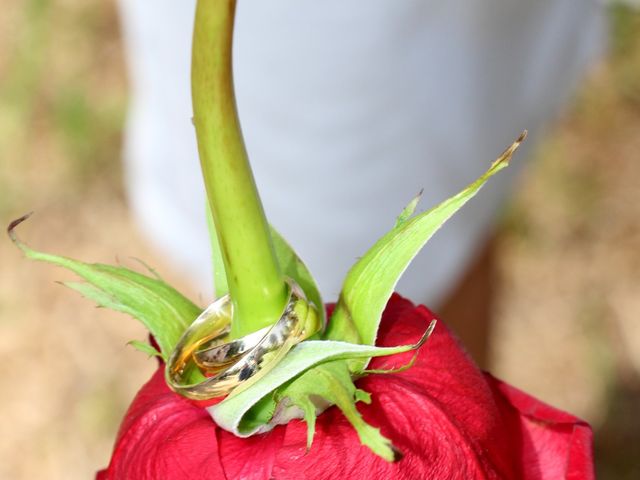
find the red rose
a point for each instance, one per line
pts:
(448, 419)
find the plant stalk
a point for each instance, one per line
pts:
(255, 281)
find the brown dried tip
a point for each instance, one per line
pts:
(397, 454)
(522, 136)
(14, 224)
(426, 334)
(508, 153)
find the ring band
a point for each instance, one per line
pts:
(232, 365)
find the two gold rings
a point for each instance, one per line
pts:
(206, 363)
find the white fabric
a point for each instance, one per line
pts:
(348, 108)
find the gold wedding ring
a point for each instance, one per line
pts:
(232, 365)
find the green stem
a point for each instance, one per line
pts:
(255, 281)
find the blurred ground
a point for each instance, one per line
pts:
(566, 326)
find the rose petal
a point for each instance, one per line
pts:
(165, 436)
(449, 420)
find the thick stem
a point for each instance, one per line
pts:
(255, 281)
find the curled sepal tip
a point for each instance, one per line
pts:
(427, 334)
(506, 156)
(12, 233)
(162, 309)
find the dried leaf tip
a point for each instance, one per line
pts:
(505, 157)
(397, 454)
(426, 334)
(11, 228)
(522, 137)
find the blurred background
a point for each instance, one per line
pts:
(569, 248)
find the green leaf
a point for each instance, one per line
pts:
(409, 209)
(290, 264)
(230, 412)
(371, 281)
(161, 308)
(333, 383)
(293, 267)
(260, 414)
(144, 347)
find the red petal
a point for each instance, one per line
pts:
(450, 421)
(555, 443)
(164, 436)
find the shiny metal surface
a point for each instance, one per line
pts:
(231, 365)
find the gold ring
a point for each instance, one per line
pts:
(232, 365)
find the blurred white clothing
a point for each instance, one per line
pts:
(349, 108)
